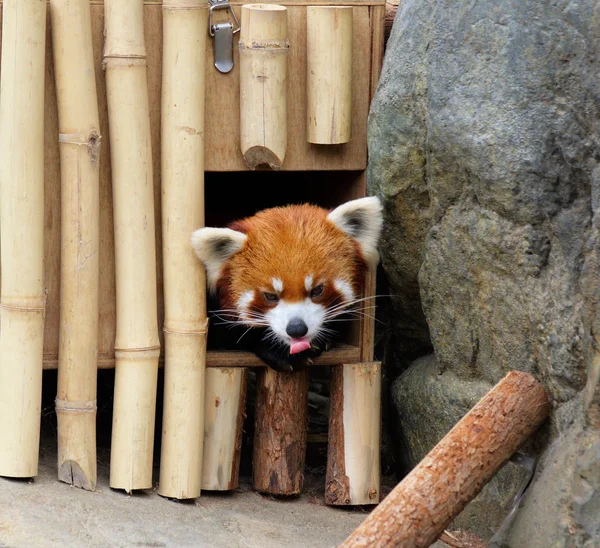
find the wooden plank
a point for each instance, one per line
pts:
(282, 3)
(377, 32)
(220, 358)
(223, 108)
(367, 319)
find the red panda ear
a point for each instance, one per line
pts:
(214, 247)
(361, 219)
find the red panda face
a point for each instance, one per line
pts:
(292, 269)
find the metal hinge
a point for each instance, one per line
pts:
(223, 34)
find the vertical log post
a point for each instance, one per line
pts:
(184, 50)
(22, 234)
(420, 507)
(353, 453)
(225, 407)
(329, 32)
(281, 430)
(263, 49)
(137, 345)
(79, 143)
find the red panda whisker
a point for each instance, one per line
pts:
(238, 341)
(372, 318)
(354, 301)
(343, 310)
(356, 312)
(352, 314)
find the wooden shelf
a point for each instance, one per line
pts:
(343, 353)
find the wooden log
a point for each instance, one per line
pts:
(263, 49)
(391, 8)
(137, 345)
(329, 49)
(420, 507)
(225, 406)
(353, 452)
(79, 143)
(280, 433)
(22, 236)
(185, 326)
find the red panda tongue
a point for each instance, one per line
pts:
(298, 345)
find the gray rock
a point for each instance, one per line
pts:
(484, 147)
(563, 505)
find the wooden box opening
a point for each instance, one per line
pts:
(234, 195)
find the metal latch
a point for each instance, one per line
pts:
(223, 35)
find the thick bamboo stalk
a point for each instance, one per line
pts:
(419, 508)
(225, 407)
(329, 31)
(280, 433)
(353, 453)
(182, 138)
(263, 49)
(79, 143)
(137, 344)
(22, 234)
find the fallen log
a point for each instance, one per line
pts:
(420, 507)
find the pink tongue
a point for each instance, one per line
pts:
(298, 345)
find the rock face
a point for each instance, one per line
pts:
(484, 147)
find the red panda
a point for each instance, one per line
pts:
(287, 272)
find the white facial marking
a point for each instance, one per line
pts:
(243, 304)
(308, 281)
(277, 285)
(311, 313)
(344, 289)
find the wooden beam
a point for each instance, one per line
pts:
(343, 353)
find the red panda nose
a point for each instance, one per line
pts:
(296, 328)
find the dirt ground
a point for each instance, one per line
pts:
(46, 513)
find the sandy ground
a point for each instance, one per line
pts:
(45, 512)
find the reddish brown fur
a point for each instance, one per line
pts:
(291, 243)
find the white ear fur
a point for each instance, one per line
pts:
(214, 246)
(362, 220)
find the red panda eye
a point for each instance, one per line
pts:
(271, 297)
(317, 291)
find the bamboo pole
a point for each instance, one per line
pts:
(329, 31)
(280, 433)
(137, 344)
(263, 49)
(22, 234)
(182, 137)
(79, 143)
(353, 453)
(419, 508)
(225, 406)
